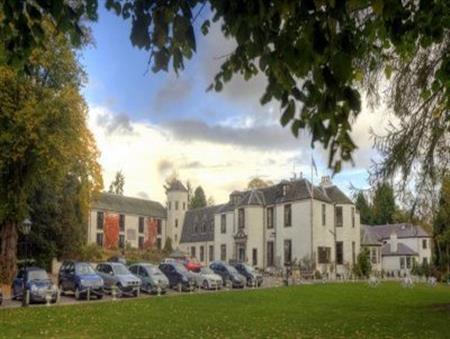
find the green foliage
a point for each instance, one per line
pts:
(257, 183)
(117, 185)
(364, 209)
(89, 252)
(198, 200)
(441, 228)
(318, 56)
(383, 207)
(363, 267)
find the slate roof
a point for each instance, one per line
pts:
(176, 185)
(369, 236)
(336, 195)
(198, 224)
(402, 249)
(404, 230)
(128, 205)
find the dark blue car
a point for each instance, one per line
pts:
(79, 278)
(178, 276)
(36, 281)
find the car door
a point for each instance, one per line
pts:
(101, 272)
(62, 274)
(18, 283)
(70, 277)
(109, 274)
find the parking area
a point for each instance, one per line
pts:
(69, 299)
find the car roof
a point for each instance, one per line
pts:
(112, 263)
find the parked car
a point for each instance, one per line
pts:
(36, 281)
(118, 258)
(253, 277)
(117, 274)
(191, 264)
(79, 277)
(178, 276)
(207, 279)
(153, 280)
(228, 273)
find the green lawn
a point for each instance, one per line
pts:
(328, 310)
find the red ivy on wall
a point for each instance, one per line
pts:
(111, 231)
(151, 233)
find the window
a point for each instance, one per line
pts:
(176, 205)
(100, 220)
(158, 226)
(324, 214)
(211, 253)
(339, 252)
(184, 206)
(353, 253)
(353, 217)
(287, 215)
(241, 218)
(158, 243)
(408, 262)
(223, 252)
(270, 261)
(193, 251)
(287, 251)
(285, 190)
(255, 257)
(425, 261)
(324, 255)
(121, 241)
(99, 239)
(141, 224)
(122, 223)
(202, 253)
(176, 237)
(402, 262)
(223, 223)
(270, 217)
(141, 242)
(339, 217)
(176, 223)
(424, 244)
(373, 256)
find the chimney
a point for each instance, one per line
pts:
(326, 181)
(394, 244)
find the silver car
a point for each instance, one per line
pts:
(153, 280)
(207, 279)
(117, 276)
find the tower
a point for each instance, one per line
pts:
(177, 204)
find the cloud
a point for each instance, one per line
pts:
(173, 90)
(119, 123)
(265, 137)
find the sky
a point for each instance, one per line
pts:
(149, 125)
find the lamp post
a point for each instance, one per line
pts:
(26, 228)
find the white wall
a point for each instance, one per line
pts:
(226, 238)
(349, 234)
(416, 245)
(173, 231)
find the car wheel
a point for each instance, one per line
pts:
(205, 285)
(100, 296)
(61, 289)
(77, 293)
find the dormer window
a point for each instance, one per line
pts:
(285, 187)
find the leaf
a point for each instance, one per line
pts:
(377, 6)
(288, 113)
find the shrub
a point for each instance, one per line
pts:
(363, 267)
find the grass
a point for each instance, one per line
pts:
(328, 311)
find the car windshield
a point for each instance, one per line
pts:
(231, 269)
(206, 270)
(153, 270)
(37, 275)
(84, 268)
(120, 270)
(180, 268)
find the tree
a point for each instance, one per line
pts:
(363, 267)
(441, 228)
(43, 136)
(317, 56)
(117, 185)
(189, 192)
(257, 183)
(168, 246)
(383, 207)
(199, 198)
(211, 201)
(364, 209)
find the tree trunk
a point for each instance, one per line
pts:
(8, 253)
(448, 257)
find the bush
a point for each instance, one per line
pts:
(91, 252)
(363, 267)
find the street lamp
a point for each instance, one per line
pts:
(26, 229)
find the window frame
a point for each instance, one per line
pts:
(100, 220)
(336, 221)
(339, 254)
(287, 215)
(324, 214)
(241, 218)
(223, 223)
(270, 217)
